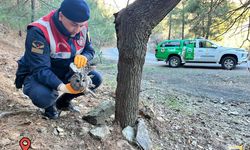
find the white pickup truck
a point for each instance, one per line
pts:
(179, 52)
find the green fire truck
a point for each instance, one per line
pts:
(179, 52)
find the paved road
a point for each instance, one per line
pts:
(112, 53)
(205, 80)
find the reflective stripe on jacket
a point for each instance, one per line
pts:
(58, 43)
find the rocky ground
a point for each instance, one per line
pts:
(201, 112)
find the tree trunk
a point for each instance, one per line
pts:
(133, 26)
(170, 26)
(203, 28)
(32, 10)
(183, 20)
(19, 26)
(209, 19)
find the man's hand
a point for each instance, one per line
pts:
(67, 88)
(80, 61)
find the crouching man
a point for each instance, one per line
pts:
(54, 42)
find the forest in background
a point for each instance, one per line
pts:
(17, 14)
(225, 21)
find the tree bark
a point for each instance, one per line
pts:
(182, 21)
(209, 19)
(133, 26)
(32, 10)
(19, 26)
(170, 26)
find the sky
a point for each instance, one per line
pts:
(118, 4)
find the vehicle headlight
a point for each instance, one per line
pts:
(244, 55)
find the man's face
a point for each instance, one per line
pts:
(72, 27)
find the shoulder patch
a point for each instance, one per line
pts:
(37, 47)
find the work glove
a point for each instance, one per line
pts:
(67, 88)
(80, 61)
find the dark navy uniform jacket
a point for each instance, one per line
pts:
(46, 70)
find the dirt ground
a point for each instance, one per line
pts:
(25, 120)
(182, 119)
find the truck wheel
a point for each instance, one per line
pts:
(174, 61)
(228, 63)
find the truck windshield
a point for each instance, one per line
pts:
(205, 44)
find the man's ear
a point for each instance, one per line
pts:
(60, 16)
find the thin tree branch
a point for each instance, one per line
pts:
(127, 3)
(241, 30)
(116, 4)
(232, 12)
(242, 19)
(248, 33)
(246, 5)
(232, 24)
